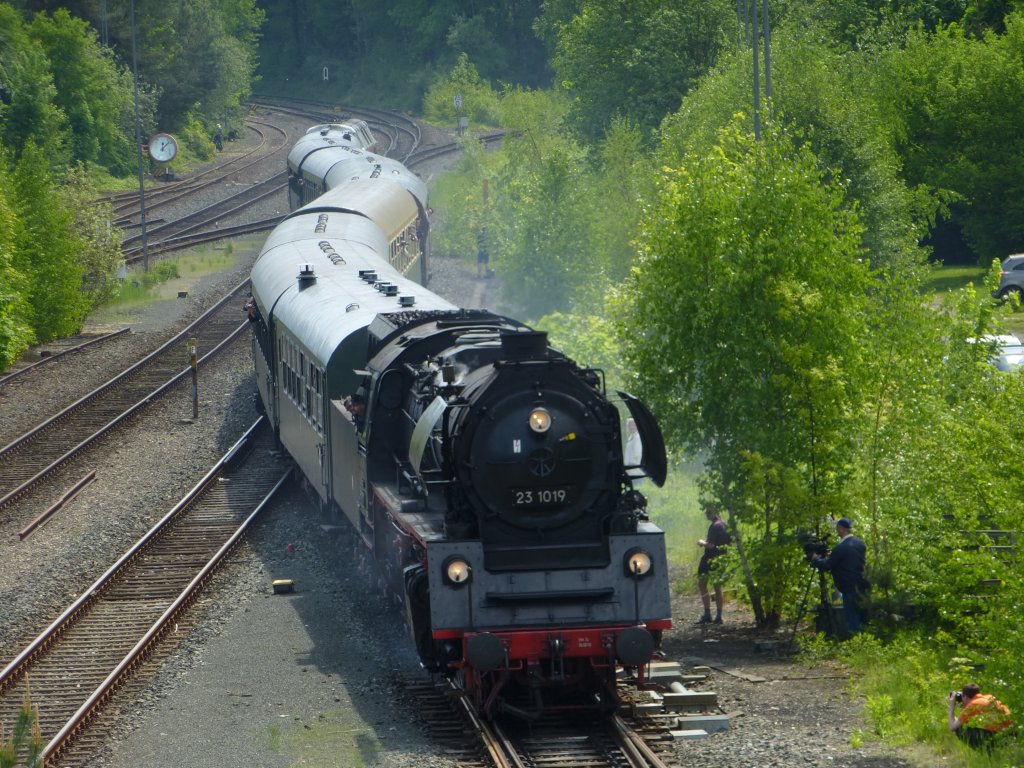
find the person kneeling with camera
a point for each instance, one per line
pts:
(982, 716)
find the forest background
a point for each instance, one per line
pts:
(762, 278)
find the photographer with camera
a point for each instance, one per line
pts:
(847, 562)
(982, 716)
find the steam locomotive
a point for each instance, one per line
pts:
(482, 470)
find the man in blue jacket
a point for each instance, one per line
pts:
(847, 562)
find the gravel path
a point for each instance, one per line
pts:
(312, 678)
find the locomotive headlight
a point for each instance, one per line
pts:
(457, 572)
(540, 420)
(638, 563)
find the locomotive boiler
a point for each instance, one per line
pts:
(481, 469)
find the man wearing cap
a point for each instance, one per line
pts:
(846, 562)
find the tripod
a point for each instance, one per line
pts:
(825, 621)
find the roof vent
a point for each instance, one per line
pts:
(307, 275)
(389, 289)
(406, 301)
(368, 275)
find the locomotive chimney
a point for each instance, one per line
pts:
(522, 345)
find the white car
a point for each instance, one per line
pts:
(1007, 350)
(1010, 354)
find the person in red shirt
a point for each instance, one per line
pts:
(982, 716)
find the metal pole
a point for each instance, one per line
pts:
(757, 76)
(138, 144)
(193, 350)
(767, 54)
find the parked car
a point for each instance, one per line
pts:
(1010, 355)
(1007, 350)
(1011, 277)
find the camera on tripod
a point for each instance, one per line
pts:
(813, 545)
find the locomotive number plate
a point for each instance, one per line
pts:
(539, 497)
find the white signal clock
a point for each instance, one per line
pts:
(163, 147)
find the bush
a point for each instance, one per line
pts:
(479, 101)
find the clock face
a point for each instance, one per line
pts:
(163, 147)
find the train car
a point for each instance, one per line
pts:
(482, 469)
(332, 155)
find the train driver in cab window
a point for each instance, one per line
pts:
(356, 407)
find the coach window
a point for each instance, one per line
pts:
(310, 415)
(291, 371)
(287, 363)
(286, 381)
(292, 378)
(295, 377)
(319, 406)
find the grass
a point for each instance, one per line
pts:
(158, 289)
(905, 685)
(943, 279)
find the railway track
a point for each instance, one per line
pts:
(555, 741)
(126, 204)
(77, 664)
(37, 454)
(195, 227)
(56, 350)
(181, 242)
(211, 214)
(402, 132)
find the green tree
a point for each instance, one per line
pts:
(91, 89)
(954, 108)
(945, 480)
(46, 249)
(391, 53)
(462, 211)
(637, 60)
(589, 340)
(98, 240)
(479, 102)
(15, 313)
(855, 23)
(989, 15)
(27, 93)
(212, 67)
(543, 208)
(621, 183)
(827, 94)
(743, 323)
